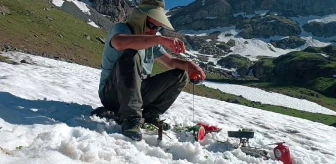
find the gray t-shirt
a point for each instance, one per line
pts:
(111, 55)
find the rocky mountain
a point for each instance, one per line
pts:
(289, 43)
(201, 15)
(292, 7)
(116, 10)
(94, 16)
(104, 13)
(321, 29)
(272, 40)
(204, 14)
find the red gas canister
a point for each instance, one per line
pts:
(282, 153)
(195, 78)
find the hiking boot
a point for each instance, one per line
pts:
(103, 112)
(131, 128)
(154, 119)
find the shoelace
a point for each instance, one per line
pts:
(136, 122)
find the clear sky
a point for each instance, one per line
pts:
(173, 3)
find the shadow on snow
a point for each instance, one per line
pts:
(16, 110)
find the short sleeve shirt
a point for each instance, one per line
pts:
(111, 55)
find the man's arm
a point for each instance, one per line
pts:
(139, 42)
(172, 62)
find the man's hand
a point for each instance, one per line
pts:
(174, 44)
(192, 67)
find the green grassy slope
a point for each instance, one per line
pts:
(37, 27)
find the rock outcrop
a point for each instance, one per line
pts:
(116, 10)
(234, 61)
(263, 69)
(321, 29)
(264, 27)
(295, 67)
(289, 43)
(94, 16)
(200, 16)
(200, 44)
(4, 10)
(300, 66)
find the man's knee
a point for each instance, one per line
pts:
(182, 77)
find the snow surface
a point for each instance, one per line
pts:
(324, 19)
(258, 95)
(92, 23)
(43, 118)
(81, 5)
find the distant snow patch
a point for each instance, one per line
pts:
(310, 41)
(92, 24)
(261, 12)
(325, 19)
(58, 3)
(87, 2)
(270, 97)
(244, 15)
(81, 5)
(258, 12)
(307, 19)
(324, 55)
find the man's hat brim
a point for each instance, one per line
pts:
(157, 14)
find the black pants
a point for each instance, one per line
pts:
(126, 93)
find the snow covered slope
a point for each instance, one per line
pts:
(82, 5)
(43, 104)
(258, 95)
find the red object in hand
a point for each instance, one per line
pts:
(209, 129)
(195, 78)
(282, 153)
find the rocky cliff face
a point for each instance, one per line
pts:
(321, 29)
(116, 10)
(199, 15)
(96, 17)
(264, 27)
(289, 43)
(203, 14)
(298, 7)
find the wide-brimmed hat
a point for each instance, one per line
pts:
(155, 10)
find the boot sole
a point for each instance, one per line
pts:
(132, 135)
